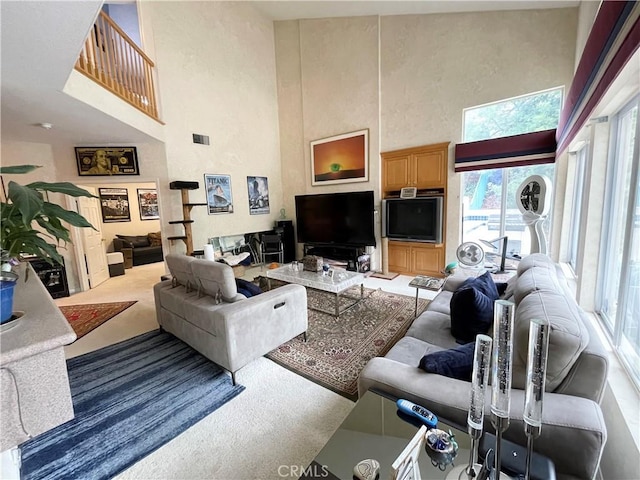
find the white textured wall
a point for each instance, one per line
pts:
(327, 85)
(217, 77)
(430, 68)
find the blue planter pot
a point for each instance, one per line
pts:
(7, 286)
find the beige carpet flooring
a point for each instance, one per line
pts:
(276, 426)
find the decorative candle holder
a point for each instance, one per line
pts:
(534, 393)
(479, 381)
(503, 314)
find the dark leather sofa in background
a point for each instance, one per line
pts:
(145, 248)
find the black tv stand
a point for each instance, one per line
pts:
(338, 252)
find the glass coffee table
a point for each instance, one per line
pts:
(339, 282)
(374, 429)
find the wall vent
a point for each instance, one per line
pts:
(201, 139)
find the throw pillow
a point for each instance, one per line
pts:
(246, 288)
(484, 283)
(471, 314)
(471, 307)
(155, 239)
(454, 363)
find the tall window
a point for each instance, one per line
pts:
(576, 210)
(489, 196)
(619, 270)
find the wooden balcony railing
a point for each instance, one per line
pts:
(113, 60)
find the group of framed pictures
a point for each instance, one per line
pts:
(220, 198)
(114, 203)
(339, 159)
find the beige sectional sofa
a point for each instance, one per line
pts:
(201, 306)
(573, 432)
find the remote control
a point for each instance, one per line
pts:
(421, 413)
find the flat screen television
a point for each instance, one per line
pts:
(416, 219)
(336, 219)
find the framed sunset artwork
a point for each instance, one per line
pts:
(340, 159)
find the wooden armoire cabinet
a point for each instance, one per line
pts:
(420, 167)
(426, 169)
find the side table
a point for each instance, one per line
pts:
(127, 253)
(423, 282)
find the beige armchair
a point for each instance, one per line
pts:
(201, 306)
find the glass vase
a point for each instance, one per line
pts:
(503, 313)
(502, 357)
(479, 381)
(536, 371)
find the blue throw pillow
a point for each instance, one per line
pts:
(484, 283)
(454, 363)
(472, 307)
(246, 288)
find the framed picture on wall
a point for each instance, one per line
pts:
(114, 203)
(258, 189)
(219, 198)
(103, 161)
(340, 159)
(148, 203)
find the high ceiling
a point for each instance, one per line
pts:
(41, 41)
(290, 10)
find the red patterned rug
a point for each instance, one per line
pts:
(337, 350)
(84, 318)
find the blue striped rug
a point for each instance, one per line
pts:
(129, 399)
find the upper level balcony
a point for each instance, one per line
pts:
(113, 60)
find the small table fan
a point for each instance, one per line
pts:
(470, 254)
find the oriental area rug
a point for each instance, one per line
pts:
(129, 399)
(84, 318)
(337, 349)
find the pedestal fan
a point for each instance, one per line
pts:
(533, 200)
(470, 254)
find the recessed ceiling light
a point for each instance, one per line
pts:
(46, 126)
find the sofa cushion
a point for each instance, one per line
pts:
(511, 286)
(535, 260)
(179, 266)
(409, 350)
(213, 277)
(434, 328)
(441, 303)
(536, 279)
(472, 307)
(455, 363)
(568, 336)
(135, 240)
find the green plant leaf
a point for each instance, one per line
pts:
(61, 187)
(28, 201)
(18, 169)
(26, 205)
(55, 228)
(69, 216)
(36, 245)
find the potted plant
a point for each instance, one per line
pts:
(28, 223)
